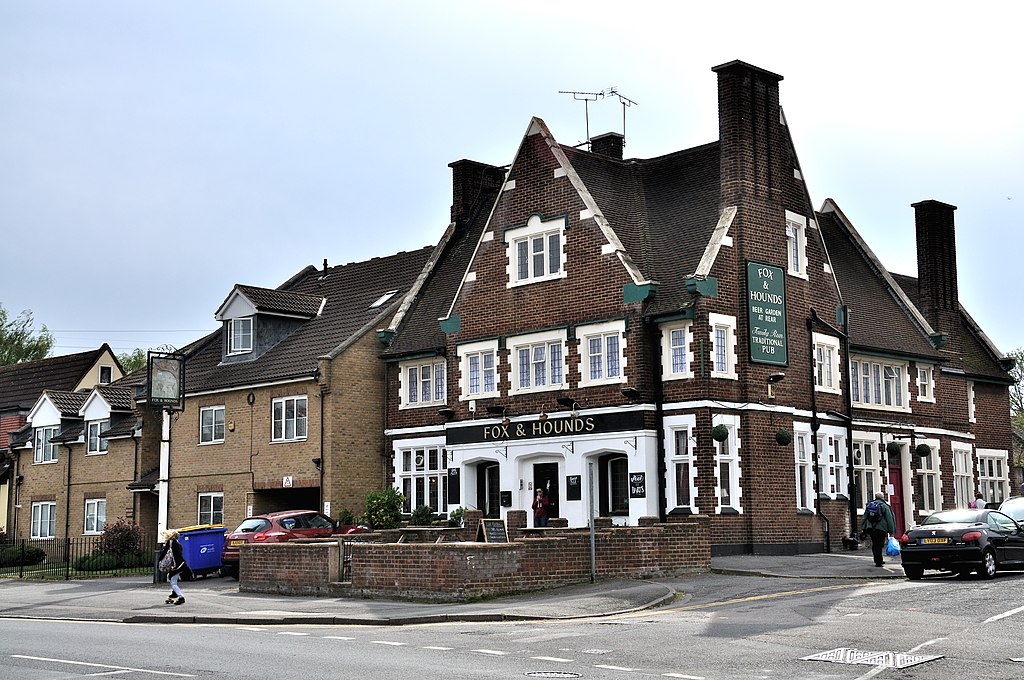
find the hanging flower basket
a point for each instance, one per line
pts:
(923, 450)
(783, 437)
(893, 448)
(719, 433)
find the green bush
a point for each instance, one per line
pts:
(456, 516)
(422, 516)
(120, 538)
(346, 517)
(383, 509)
(97, 562)
(10, 555)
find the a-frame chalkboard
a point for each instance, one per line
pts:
(492, 531)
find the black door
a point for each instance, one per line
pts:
(545, 476)
(488, 490)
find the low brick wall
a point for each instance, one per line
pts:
(462, 571)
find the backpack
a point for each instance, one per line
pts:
(873, 512)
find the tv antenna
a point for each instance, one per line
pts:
(587, 97)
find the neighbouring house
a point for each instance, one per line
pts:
(20, 388)
(686, 335)
(284, 405)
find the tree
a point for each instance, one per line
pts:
(19, 342)
(133, 361)
(1017, 388)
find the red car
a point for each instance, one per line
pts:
(278, 527)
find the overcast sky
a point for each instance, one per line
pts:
(152, 155)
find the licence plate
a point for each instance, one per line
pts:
(235, 544)
(934, 541)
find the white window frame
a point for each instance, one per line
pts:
(525, 240)
(95, 516)
(44, 520)
(796, 245)
(971, 412)
(832, 463)
(546, 354)
(727, 453)
(109, 374)
(963, 474)
(300, 424)
(681, 459)
(210, 514)
(827, 376)
(421, 474)
(44, 450)
(95, 444)
(926, 383)
(992, 475)
(928, 476)
(677, 351)
(235, 346)
(607, 336)
(804, 468)
(867, 469)
(723, 326)
(412, 383)
(479, 352)
(873, 380)
(212, 438)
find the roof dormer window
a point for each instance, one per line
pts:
(240, 335)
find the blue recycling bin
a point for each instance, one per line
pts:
(202, 547)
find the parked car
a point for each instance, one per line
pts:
(1014, 507)
(962, 541)
(279, 527)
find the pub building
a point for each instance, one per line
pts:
(686, 335)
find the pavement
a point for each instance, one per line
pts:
(213, 600)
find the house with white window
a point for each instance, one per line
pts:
(686, 335)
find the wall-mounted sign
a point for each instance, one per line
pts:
(766, 314)
(540, 429)
(574, 488)
(453, 486)
(286, 481)
(505, 499)
(638, 485)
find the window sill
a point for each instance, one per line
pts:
(804, 511)
(288, 441)
(96, 453)
(683, 511)
(728, 510)
(406, 406)
(215, 441)
(535, 390)
(724, 376)
(44, 462)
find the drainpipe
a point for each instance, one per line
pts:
(67, 497)
(135, 496)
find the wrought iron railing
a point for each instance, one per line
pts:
(73, 558)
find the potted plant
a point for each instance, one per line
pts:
(456, 516)
(893, 448)
(719, 433)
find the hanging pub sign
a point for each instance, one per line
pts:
(573, 487)
(638, 485)
(766, 313)
(166, 376)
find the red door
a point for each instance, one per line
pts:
(896, 499)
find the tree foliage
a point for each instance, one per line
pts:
(133, 361)
(1017, 389)
(19, 342)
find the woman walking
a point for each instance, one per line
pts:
(174, 567)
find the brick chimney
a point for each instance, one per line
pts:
(472, 182)
(750, 133)
(609, 144)
(937, 292)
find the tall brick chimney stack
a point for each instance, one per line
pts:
(471, 182)
(609, 144)
(937, 291)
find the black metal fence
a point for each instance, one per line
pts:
(68, 558)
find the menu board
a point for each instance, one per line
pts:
(492, 531)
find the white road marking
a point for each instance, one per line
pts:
(289, 632)
(101, 665)
(337, 637)
(96, 675)
(926, 644)
(387, 642)
(252, 628)
(492, 652)
(613, 668)
(1004, 615)
(685, 677)
(554, 659)
(440, 649)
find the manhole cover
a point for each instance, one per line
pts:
(847, 655)
(551, 674)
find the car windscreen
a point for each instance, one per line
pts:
(1014, 507)
(953, 517)
(252, 524)
(319, 522)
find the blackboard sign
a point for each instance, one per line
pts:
(638, 485)
(492, 531)
(505, 499)
(453, 486)
(574, 488)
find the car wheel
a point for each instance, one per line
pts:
(989, 566)
(913, 571)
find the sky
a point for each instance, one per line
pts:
(152, 155)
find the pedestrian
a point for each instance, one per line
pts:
(175, 566)
(879, 523)
(979, 501)
(540, 509)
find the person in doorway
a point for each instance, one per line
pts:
(178, 566)
(879, 523)
(979, 501)
(540, 509)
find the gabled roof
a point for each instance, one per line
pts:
(121, 426)
(349, 291)
(882, 318)
(275, 301)
(21, 384)
(67, 403)
(117, 398)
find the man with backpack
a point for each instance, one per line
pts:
(880, 523)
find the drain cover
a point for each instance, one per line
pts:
(551, 674)
(861, 657)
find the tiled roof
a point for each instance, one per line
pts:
(273, 301)
(979, 358)
(68, 403)
(878, 320)
(70, 431)
(146, 482)
(350, 289)
(119, 398)
(20, 436)
(121, 426)
(21, 384)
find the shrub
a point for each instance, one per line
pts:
(422, 516)
(383, 509)
(456, 516)
(96, 562)
(120, 538)
(11, 556)
(346, 517)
